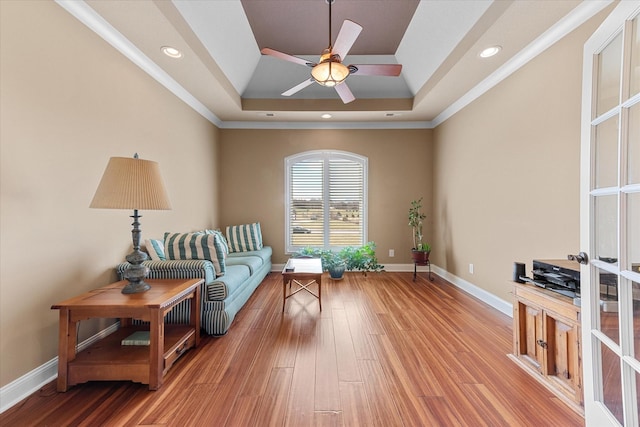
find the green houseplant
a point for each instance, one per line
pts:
(360, 258)
(421, 250)
(333, 262)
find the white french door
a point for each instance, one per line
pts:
(610, 220)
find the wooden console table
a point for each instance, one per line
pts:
(547, 341)
(108, 359)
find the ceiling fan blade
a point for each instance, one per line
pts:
(286, 57)
(345, 93)
(298, 88)
(347, 36)
(376, 70)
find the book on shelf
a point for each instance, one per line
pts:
(137, 338)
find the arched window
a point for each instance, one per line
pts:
(326, 200)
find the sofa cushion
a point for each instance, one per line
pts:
(155, 249)
(253, 259)
(253, 262)
(179, 246)
(246, 237)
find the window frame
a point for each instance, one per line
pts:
(325, 156)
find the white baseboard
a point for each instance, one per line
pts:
(27, 384)
(486, 297)
(394, 268)
(24, 386)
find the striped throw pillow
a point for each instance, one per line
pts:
(221, 251)
(221, 238)
(246, 237)
(155, 248)
(194, 246)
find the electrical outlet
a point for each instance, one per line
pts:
(471, 268)
(392, 253)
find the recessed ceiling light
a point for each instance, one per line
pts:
(490, 51)
(171, 52)
(326, 116)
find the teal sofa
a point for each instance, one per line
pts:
(223, 296)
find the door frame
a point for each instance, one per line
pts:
(595, 412)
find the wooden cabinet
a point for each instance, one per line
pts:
(546, 340)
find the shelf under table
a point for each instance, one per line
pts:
(109, 360)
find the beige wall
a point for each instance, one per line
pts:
(507, 171)
(69, 102)
(500, 178)
(400, 164)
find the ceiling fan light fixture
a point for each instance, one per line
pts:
(330, 73)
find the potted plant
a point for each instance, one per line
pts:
(420, 251)
(332, 262)
(361, 258)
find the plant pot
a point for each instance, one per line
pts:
(336, 272)
(420, 257)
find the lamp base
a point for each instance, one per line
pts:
(136, 273)
(136, 287)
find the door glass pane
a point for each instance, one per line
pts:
(611, 383)
(633, 232)
(635, 57)
(635, 289)
(608, 84)
(609, 320)
(606, 153)
(606, 227)
(638, 393)
(633, 145)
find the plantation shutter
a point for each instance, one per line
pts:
(326, 200)
(346, 201)
(307, 203)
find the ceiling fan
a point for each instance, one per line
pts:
(330, 71)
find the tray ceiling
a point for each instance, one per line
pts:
(223, 75)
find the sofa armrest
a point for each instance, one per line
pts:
(175, 269)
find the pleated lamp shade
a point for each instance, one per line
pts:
(131, 183)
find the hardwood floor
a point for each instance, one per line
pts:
(384, 351)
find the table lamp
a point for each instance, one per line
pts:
(132, 183)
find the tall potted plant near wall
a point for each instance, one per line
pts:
(421, 250)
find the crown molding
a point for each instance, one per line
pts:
(584, 11)
(89, 17)
(85, 14)
(326, 125)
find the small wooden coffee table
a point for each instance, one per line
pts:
(108, 359)
(302, 272)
